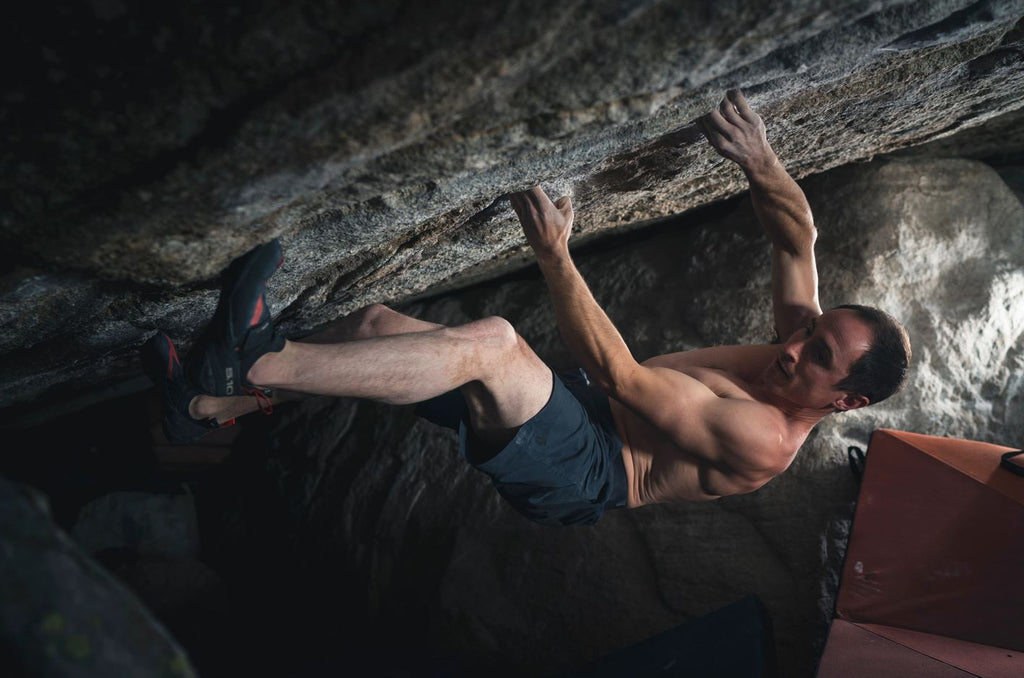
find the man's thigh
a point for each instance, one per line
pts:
(562, 466)
(514, 391)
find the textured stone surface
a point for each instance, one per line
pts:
(436, 560)
(144, 151)
(63, 614)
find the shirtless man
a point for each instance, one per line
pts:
(688, 426)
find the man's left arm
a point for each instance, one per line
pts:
(586, 329)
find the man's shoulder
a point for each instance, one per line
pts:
(741, 362)
(760, 437)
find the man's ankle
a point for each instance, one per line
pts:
(262, 372)
(203, 407)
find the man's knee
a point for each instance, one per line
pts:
(511, 384)
(371, 319)
(501, 351)
(497, 332)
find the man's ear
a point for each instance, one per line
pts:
(851, 401)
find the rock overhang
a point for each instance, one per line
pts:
(378, 152)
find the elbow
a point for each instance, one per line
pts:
(803, 219)
(804, 237)
(602, 381)
(806, 217)
(812, 235)
(615, 382)
(609, 388)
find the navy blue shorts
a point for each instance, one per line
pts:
(563, 467)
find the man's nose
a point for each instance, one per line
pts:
(791, 351)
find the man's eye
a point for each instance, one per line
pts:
(808, 331)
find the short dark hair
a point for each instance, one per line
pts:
(882, 370)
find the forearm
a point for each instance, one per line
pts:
(781, 206)
(586, 329)
(739, 134)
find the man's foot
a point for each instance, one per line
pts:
(240, 332)
(160, 360)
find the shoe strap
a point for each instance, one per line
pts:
(263, 401)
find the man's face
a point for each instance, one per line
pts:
(817, 357)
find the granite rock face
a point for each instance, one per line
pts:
(144, 152)
(439, 563)
(63, 614)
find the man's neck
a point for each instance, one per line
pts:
(797, 414)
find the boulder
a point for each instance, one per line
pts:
(147, 148)
(437, 564)
(64, 615)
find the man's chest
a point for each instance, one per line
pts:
(722, 383)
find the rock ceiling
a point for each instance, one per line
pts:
(142, 153)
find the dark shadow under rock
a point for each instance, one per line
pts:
(421, 560)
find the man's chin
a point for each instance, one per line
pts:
(774, 378)
(774, 386)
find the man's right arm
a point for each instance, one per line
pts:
(738, 133)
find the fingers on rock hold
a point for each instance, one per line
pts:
(729, 111)
(719, 125)
(740, 102)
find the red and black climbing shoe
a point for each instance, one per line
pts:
(240, 332)
(160, 360)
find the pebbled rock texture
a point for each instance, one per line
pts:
(434, 563)
(143, 151)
